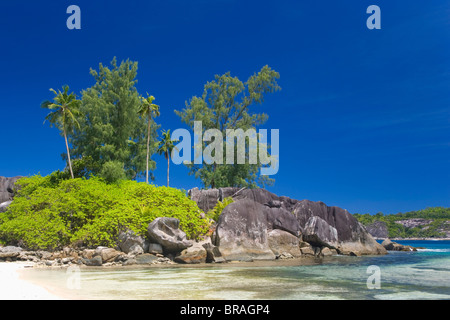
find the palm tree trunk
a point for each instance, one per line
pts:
(68, 154)
(148, 148)
(168, 163)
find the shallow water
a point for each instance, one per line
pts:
(403, 275)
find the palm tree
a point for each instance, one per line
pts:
(65, 108)
(166, 145)
(148, 109)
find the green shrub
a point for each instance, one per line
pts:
(113, 171)
(48, 213)
(215, 212)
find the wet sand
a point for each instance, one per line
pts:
(52, 282)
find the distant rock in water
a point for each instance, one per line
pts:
(394, 246)
(244, 227)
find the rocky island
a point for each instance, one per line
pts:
(256, 225)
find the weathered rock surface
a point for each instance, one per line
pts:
(378, 229)
(283, 243)
(131, 243)
(192, 255)
(155, 248)
(213, 254)
(323, 226)
(319, 233)
(107, 254)
(7, 188)
(394, 246)
(93, 262)
(145, 258)
(279, 218)
(166, 232)
(241, 233)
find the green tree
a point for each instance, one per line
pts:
(148, 110)
(111, 129)
(65, 108)
(166, 145)
(225, 104)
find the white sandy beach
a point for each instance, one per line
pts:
(12, 287)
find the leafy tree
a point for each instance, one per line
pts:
(166, 145)
(148, 110)
(225, 104)
(65, 108)
(111, 130)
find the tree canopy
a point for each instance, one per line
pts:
(226, 104)
(112, 132)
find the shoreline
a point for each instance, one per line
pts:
(22, 276)
(15, 287)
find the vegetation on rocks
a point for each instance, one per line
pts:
(48, 213)
(430, 223)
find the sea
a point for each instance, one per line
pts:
(420, 275)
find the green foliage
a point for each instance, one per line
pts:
(65, 108)
(48, 213)
(215, 212)
(112, 171)
(225, 104)
(111, 128)
(437, 215)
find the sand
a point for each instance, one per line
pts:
(12, 287)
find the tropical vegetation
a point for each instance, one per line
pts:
(110, 137)
(436, 221)
(49, 213)
(226, 104)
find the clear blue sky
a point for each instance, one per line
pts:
(364, 115)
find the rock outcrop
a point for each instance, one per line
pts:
(394, 246)
(243, 228)
(378, 230)
(129, 242)
(166, 232)
(7, 188)
(242, 232)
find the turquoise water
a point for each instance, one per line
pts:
(424, 274)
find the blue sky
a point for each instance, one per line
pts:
(364, 115)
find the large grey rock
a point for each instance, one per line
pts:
(107, 254)
(167, 233)
(319, 233)
(192, 255)
(279, 218)
(155, 248)
(241, 232)
(131, 243)
(146, 258)
(8, 249)
(7, 186)
(352, 237)
(205, 199)
(394, 246)
(282, 242)
(94, 262)
(213, 254)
